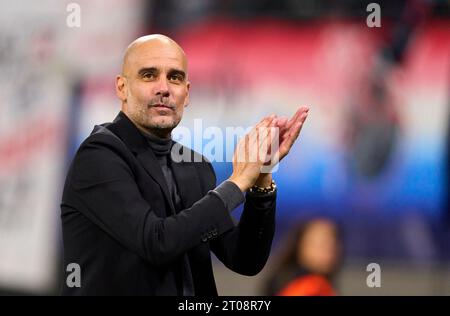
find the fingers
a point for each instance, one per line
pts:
(297, 116)
(295, 129)
(260, 145)
(250, 145)
(266, 140)
(262, 125)
(281, 121)
(272, 132)
(289, 136)
(273, 144)
(266, 120)
(297, 120)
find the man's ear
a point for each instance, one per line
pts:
(121, 88)
(188, 87)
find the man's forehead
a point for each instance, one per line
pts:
(160, 63)
(154, 52)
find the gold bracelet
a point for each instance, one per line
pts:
(257, 189)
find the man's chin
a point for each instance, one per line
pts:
(163, 125)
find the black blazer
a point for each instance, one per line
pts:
(119, 223)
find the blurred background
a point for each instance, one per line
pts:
(372, 160)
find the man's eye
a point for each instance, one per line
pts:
(148, 75)
(177, 78)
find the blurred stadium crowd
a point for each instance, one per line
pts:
(372, 162)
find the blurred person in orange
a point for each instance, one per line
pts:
(309, 262)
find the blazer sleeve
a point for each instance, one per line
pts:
(101, 185)
(246, 248)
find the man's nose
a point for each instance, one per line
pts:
(163, 88)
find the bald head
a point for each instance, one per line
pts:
(153, 86)
(148, 45)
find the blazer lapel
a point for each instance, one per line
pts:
(151, 165)
(132, 137)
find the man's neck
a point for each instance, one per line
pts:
(159, 133)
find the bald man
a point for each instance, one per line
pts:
(135, 221)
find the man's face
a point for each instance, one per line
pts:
(153, 87)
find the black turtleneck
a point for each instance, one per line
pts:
(161, 148)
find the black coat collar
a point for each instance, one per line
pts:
(125, 129)
(185, 173)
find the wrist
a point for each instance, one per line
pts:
(264, 180)
(242, 185)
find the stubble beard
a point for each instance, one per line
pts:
(162, 127)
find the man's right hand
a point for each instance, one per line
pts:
(251, 153)
(247, 169)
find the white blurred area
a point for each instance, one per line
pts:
(41, 59)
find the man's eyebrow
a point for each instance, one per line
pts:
(155, 70)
